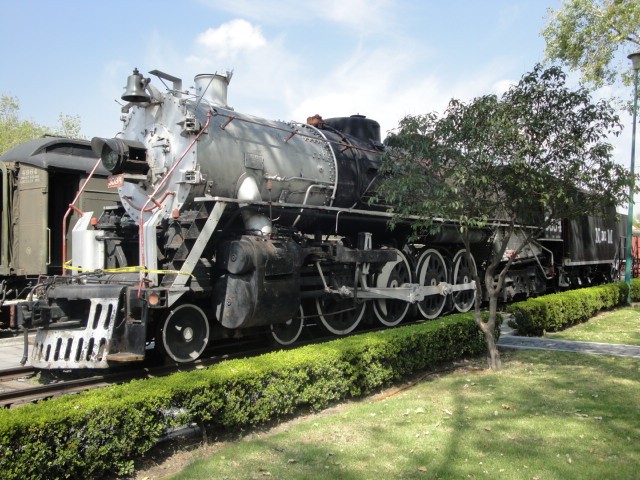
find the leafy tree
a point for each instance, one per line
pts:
(14, 130)
(594, 37)
(522, 158)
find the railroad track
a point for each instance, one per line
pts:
(13, 394)
(16, 373)
(34, 393)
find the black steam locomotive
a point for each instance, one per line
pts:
(232, 225)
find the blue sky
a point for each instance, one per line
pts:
(291, 59)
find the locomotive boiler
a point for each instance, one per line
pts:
(232, 225)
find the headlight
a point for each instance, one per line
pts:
(120, 156)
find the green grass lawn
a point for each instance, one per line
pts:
(619, 326)
(546, 415)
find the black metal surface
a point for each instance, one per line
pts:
(267, 293)
(350, 255)
(55, 152)
(592, 239)
(358, 126)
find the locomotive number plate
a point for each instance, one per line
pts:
(115, 181)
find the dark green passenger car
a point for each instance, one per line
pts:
(40, 178)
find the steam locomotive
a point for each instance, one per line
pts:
(231, 225)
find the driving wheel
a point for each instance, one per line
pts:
(463, 274)
(432, 271)
(390, 312)
(288, 332)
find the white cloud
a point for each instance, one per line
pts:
(231, 38)
(378, 83)
(363, 15)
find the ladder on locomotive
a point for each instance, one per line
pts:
(184, 232)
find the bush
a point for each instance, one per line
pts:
(635, 290)
(554, 312)
(86, 435)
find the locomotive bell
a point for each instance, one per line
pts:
(134, 91)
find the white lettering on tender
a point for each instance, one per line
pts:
(604, 235)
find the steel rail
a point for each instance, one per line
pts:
(33, 393)
(15, 373)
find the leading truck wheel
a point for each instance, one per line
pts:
(184, 334)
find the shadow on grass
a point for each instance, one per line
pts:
(561, 418)
(547, 415)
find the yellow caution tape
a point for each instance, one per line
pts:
(132, 269)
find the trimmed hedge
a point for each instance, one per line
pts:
(635, 290)
(554, 312)
(100, 431)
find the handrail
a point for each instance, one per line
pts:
(151, 198)
(4, 239)
(72, 206)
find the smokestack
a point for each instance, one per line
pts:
(212, 87)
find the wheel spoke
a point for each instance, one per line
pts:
(393, 274)
(288, 332)
(463, 273)
(432, 271)
(340, 315)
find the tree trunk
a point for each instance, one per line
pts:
(488, 329)
(495, 363)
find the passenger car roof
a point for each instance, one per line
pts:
(56, 152)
